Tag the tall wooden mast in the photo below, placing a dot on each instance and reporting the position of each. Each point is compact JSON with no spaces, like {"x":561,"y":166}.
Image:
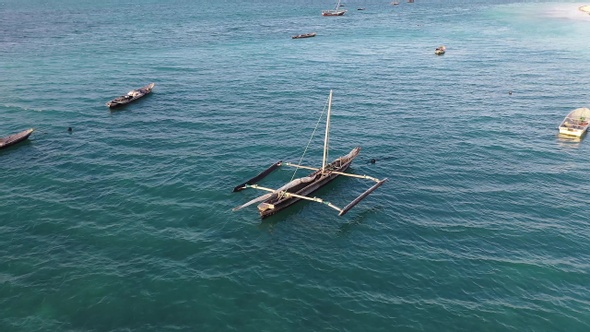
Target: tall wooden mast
{"x":327,"y":136}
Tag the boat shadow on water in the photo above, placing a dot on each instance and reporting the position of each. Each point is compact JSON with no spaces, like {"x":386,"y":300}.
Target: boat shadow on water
{"x":360,"y":219}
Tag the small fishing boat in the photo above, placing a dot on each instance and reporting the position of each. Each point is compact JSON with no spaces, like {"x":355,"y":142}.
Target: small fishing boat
{"x":304,"y":35}
{"x":440,"y":50}
{"x":334,"y":12}
{"x":15,"y":138}
{"x":300,"y":188}
{"x":575,"y":123}
{"x":131,"y":96}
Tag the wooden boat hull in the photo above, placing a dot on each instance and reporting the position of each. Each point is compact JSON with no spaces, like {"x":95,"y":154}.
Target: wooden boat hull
{"x":15,"y":138}
{"x":131,"y":96}
{"x":276,"y":204}
{"x":572,"y":132}
{"x":575,"y":123}
{"x":333,"y":12}
{"x":305,"y":35}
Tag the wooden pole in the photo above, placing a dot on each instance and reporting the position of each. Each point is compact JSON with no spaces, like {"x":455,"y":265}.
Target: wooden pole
{"x":360,"y":198}
{"x":326,"y":137}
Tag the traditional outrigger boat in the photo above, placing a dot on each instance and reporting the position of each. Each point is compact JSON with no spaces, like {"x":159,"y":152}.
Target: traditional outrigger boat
{"x":15,"y":138}
{"x":299,"y":189}
{"x":575,"y":123}
{"x":131,"y":96}
{"x":304,"y":35}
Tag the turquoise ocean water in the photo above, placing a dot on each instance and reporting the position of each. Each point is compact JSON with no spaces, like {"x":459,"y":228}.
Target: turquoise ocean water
{"x":125,"y":224}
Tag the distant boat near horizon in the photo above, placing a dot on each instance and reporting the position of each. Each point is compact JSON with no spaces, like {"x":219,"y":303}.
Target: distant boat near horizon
{"x":304,"y":35}
{"x":334,"y":12}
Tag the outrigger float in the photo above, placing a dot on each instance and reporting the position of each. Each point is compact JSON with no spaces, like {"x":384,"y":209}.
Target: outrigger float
{"x":300,"y":189}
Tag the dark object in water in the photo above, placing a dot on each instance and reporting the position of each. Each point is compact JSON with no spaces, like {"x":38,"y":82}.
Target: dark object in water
{"x":304,"y":35}
{"x":70,"y":129}
{"x":372,"y":161}
{"x":131,"y":96}
{"x":15,"y":138}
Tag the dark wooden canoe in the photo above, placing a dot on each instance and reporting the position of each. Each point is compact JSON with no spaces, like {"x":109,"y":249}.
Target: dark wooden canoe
{"x":305,"y":35}
{"x":130,"y":96}
{"x":15,"y":138}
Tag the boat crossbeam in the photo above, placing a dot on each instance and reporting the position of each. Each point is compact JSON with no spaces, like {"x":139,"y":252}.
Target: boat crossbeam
{"x":288,"y":194}
{"x":366,"y":177}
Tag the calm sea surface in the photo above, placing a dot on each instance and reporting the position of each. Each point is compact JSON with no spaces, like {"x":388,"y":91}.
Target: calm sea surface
{"x":125,"y":224}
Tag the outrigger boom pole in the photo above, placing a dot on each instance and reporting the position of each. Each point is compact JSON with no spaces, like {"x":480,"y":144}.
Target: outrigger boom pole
{"x":288,"y":194}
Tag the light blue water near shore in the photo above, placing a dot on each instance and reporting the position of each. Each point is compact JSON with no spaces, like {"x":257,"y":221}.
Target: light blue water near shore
{"x":126,"y":223}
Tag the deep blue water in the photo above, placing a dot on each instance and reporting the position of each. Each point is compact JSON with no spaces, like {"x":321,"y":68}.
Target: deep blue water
{"x":126,"y":224}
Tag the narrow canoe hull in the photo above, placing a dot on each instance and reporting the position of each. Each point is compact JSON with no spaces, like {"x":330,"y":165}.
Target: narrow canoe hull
{"x":305,"y":35}
{"x":131,"y":96}
{"x":276,"y":204}
{"x":15,"y":138}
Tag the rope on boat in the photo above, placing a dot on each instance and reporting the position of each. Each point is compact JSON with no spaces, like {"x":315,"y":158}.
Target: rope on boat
{"x":310,"y":139}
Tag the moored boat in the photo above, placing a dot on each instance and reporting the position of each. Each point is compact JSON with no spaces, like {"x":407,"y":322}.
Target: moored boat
{"x":440,"y":50}
{"x":130,"y":96}
{"x":15,"y":138}
{"x":299,"y":189}
{"x":304,"y":35}
{"x":334,"y":12}
{"x":575,"y":123}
